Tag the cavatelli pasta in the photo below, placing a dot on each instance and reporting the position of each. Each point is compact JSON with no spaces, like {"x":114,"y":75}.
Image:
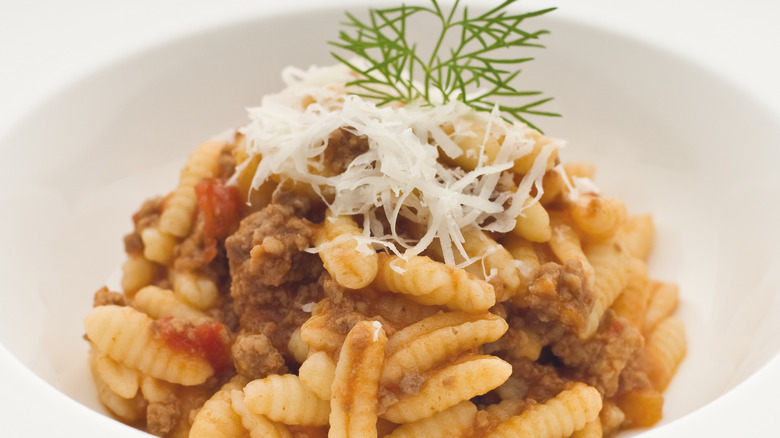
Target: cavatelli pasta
{"x":258,"y":425}
{"x":340,"y":253}
{"x":217,"y":418}
{"x":178,"y":210}
{"x":285,"y":399}
{"x":454,"y":422}
{"x":126,"y":335}
{"x":558,"y":417}
{"x":317,"y":373}
{"x":433,"y":283}
{"x":158,"y":303}
{"x":354,"y":403}
{"x":419,"y":347}
{"x":664,"y":351}
{"x":462,"y":380}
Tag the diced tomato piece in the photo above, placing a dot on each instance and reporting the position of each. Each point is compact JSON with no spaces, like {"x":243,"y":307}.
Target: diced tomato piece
{"x":208,"y":340}
{"x":222,"y":207}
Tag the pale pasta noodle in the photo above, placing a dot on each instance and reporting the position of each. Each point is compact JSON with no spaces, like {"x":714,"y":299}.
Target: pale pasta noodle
{"x":558,"y":417}
{"x":137,"y":272}
{"x":317,"y":373}
{"x":533,"y":224}
{"x":285,"y":399}
{"x":176,"y":218}
{"x":354,"y":403}
{"x":430,"y":282}
{"x":217,"y":418}
{"x":436,"y":338}
{"x":258,"y":425}
{"x":469,"y":377}
{"x":125,"y":334}
{"x":665,"y":350}
{"x":195,"y":289}
{"x":456,"y":421}
{"x":338,"y":248}
{"x":158,"y":303}
{"x":123,"y":381}
{"x":158,"y":245}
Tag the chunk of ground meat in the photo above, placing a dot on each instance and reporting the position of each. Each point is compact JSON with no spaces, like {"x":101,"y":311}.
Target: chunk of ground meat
{"x":268,"y":250}
{"x":537,"y":381}
{"x":255,"y":357}
{"x":146,"y":216}
{"x":600,"y":359}
{"x":105,"y":297}
{"x":343,"y":147}
{"x":272,"y":275}
{"x":559,"y":294}
{"x":162,"y":417}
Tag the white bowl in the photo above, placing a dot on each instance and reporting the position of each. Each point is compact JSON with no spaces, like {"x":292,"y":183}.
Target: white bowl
{"x":668,"y":137}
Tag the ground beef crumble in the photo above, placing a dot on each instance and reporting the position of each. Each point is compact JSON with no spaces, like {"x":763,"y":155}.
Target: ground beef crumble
{"x":273,"y":277}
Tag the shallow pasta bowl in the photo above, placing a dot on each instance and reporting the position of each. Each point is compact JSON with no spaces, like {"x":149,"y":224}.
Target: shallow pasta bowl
{"x":668,"y":137}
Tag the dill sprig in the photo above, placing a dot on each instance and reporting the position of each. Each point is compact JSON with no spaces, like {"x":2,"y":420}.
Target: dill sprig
{"x":470,"y":68}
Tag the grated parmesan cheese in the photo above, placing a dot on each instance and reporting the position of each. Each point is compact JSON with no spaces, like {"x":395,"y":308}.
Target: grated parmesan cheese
{"x":401,"y":175}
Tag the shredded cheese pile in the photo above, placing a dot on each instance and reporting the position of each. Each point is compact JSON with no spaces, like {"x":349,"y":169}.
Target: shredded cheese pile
{"x":400,"y":176}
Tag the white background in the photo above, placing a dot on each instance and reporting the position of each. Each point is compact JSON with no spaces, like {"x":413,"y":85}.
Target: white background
{"x":45,"y":45}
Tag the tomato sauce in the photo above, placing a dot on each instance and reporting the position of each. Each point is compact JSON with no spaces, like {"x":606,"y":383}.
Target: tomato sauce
{"x":208,"y":340}
{"x":222,"y":209}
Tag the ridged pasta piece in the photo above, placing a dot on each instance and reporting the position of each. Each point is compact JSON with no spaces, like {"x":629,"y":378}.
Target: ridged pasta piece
{"x":158,"y":303}
{"x":566,"y":245}
{"x":297,"y":348}
{"x":496,"y":259}
{"x":156,"y":390}
{"x":179,"y":208}
{"x":474,"y":141}
{"x":217,"y":419}
{"x":285,"y":399}
{"x":125,"y":334}
{"x":631,"y":304}
{"x":338,"y":248}
{"x":533,"y":223}
{"x":317,"y":332}
{"x":258,"y":425}
{"x":454,"y":422}
{"x":464,"y":379}
{"x":665,"y":349}
{"x":194,"y":288}
{"x":525,"y":259}
{"x":353,"y":404}
{"x":317,"y":373}
{"x":130,"y":410}
{"x":664,"y":299}
{"x":590,"y":430}
{"x":598,"y":216}
{"x":611,"y":418}
{"x":158,"y":245}
{"x":120,"y":379}
{"x":433,"y":283}
{"x":638,"y":233}
{"x":421,"y":346}
{"x":611,"y":264}
{"x":554,"y":184}
{"x":523,"y":165}
{"x":641,"y":407}
{"x":137,"y":272}
{"x":506,"y":409}
{"x":557,"y":417}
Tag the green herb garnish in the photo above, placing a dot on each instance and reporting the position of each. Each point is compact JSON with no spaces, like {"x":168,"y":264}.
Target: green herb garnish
{"x":465,"y":57}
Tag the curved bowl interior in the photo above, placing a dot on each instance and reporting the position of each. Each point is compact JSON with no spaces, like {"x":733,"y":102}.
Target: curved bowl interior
{"x":667,"y":137}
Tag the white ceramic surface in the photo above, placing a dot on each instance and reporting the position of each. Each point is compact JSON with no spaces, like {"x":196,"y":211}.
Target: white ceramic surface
{"x":669,"y":136}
